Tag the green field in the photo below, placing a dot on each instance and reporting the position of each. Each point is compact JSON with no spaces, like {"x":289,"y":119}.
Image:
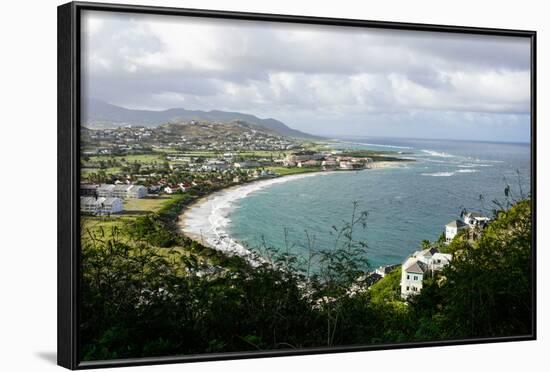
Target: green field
{"x":86,"y":171}
{"x":283,"y":171}
{"x":103,"y":225}
{"x":148,"y":204}
{"x":142,"y":158}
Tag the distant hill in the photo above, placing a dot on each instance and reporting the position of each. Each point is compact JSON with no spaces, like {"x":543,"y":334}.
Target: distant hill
{"x":98,"y":114}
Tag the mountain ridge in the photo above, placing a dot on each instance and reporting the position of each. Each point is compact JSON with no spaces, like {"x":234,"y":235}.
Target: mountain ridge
{"x":97,"y":114}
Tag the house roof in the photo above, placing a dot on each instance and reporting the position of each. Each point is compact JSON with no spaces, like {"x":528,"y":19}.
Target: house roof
{"x":108,"y":201}
{"x":445,"y":256}
{"x":122,"y":187}
{"x":417,"y":267}
{"x":473,"y":214}
{"x":106,"y":186}
{"x":87,"y":200}
{"x":429,"y":252}
{"x":372,"y":278}
{"x":456,"y":223}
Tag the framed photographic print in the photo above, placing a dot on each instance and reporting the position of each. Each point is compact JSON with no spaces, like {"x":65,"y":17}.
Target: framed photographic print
{"x":237,"y":185}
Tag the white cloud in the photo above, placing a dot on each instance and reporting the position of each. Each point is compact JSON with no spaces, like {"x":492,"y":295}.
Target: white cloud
{"x":303,"y":70}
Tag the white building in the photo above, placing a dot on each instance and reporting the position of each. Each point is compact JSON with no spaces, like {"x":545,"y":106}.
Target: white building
{"x":121,"y":191}
{"x":246,"y":164}
{"x":412,"y":276}
{"x":105,"y":190}
{"x":439,"y":261}
{"x":418,"y":266}
{"x":452,"y":229}
{"x":101,"y":205}
{"x":216,"y":165}
{"x":346,"y":165}
{"x":136,"y":192}
{"x":329,"y":164}
{"x":475,"y":219}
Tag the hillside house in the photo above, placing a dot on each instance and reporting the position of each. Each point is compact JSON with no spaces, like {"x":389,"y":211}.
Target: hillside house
{"x":412,"y":276}
{"x":475,"y":219}
{"x":418,"y":267}
{"x":452,"y":229}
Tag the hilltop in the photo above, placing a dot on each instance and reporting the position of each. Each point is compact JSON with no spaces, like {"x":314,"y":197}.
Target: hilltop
{"x":97,"y":114}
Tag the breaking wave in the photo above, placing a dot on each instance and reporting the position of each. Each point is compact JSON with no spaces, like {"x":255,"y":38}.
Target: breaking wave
{"x":438,"y":154}
{"x":439,"y":174}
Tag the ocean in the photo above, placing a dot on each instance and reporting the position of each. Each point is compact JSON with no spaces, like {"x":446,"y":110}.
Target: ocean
{"x":405,"y":204}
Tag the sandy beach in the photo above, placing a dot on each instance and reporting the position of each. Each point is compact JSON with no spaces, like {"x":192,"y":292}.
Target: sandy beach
{"x":206,"y":220}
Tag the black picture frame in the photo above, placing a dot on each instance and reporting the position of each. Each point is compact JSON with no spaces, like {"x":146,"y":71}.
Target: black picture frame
{"x":68,"y":252}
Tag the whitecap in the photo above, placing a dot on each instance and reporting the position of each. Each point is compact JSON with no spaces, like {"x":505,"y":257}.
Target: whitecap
{"x":438,"y":154}
{"x":474,"y":165}
{"x":388,"y":146}
{"x":467,"y":171}
{"x":439,"y":174}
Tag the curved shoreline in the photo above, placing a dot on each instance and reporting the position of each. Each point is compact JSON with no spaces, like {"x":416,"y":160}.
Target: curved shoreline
{"x":206,"y":220}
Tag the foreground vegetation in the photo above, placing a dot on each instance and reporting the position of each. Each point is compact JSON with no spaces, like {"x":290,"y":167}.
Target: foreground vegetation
{"x":148,"y":291}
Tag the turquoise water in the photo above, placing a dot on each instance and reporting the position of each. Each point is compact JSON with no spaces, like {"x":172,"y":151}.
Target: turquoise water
{"x":406,"y":205}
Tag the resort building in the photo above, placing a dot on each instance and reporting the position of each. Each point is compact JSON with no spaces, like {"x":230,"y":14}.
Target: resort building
{"x":88,"y":190}
{"x":105,"y":190}
{"x":101,"y":205}
{"x":418,"y":267}
{"x":329,"y":164}
{"x":121,"y":191}
{"x":452,"y":229}
{"x":216,"y":165}
{"x":246,"y":164}
{"x":136,"y":192}
{"x":308,"y":163}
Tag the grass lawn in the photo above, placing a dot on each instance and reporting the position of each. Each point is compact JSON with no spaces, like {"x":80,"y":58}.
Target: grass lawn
{"x":143,"y":158}
{"x":283,"y":171}
{"x":151,"y":203}
{"x":85,"y":171}
{"x":102,"y":226}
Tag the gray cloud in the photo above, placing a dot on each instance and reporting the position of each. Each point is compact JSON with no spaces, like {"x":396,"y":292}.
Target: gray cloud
{"x":304,"y":73}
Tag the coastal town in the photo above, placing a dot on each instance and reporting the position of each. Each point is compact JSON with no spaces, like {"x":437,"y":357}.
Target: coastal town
{"x":135,"y":162}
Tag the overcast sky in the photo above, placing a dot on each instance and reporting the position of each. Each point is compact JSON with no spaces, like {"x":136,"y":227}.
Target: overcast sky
{"x":319,"y":79}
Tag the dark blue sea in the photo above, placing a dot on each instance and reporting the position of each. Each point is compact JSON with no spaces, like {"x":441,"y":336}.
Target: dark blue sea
{"x":405,"y":205}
